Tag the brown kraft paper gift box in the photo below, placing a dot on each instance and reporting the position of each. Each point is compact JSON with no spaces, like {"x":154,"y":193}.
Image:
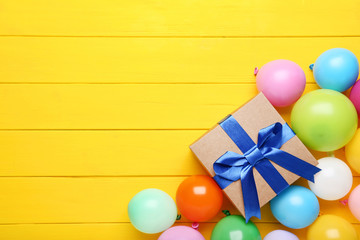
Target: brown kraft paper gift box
{"x":256,"y":114}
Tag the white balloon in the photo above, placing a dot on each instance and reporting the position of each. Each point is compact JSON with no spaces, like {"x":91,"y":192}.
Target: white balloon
{"x":334,"y":180}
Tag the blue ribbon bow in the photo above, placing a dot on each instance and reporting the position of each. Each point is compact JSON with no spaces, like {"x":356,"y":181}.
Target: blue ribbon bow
{"x":232,"y":166}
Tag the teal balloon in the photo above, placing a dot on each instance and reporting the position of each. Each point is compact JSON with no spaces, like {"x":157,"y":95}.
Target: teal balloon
{"x":152,"y":211}
{"x":336,"y":69}
{"x":324,"y":120}
{"x":234,"y":227}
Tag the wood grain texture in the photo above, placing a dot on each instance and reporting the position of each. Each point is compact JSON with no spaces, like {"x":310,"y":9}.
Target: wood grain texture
{"x":103,"y":153}
{"x":126,"y":106}
{"x":101,"y":99}
{"x":105,"y":199}
{"x":184,"y":18}
{"x":154,"y":60}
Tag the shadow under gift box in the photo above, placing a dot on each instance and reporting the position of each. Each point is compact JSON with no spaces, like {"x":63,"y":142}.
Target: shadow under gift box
{"x":253,"y":116}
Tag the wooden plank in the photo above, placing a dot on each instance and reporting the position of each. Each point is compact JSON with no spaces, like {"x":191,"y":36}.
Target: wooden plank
{"x":125,"y":106}
{"x":184,"y":18}
{"x":111,"y":231}
{"x":102,"y":153}
{"x":154,"y":60}
{"x":98,"y":153}
{"x":88,"y":199}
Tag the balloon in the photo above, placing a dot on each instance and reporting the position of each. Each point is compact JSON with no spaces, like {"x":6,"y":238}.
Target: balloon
{"x":234,"y":227}
{"x":355,"y":96}
{"x":354,"y":202}
{"x":334,"y":180}
{"x":280,"y":235}
{"x":152,"y":211}
{"x":331,"y":227}
{"x":281,"y":81}
{"x":181,"y":233}
{"x":352,"y":152}
{"x":295,"y":207}
{"x":324,"y":120}
{"x":336,"y":69}
{"x":199,"y":198}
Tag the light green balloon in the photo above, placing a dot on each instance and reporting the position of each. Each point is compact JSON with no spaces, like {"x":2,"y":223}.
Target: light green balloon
{"x":152,"y":211}
{"x":324,"y":120}
{"x":234,"y":227}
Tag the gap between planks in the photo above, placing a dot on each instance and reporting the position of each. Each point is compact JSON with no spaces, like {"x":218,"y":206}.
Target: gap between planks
{"x":134,"y":83}
{"x":190,"y":36}
{"x":79,"y":223}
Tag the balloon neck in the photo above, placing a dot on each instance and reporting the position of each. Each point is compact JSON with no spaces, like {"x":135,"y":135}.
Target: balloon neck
{"x":311,"y":67}
{"x":256,"y":70}
{"x":344,"y":202}
{"x":226,"y":212}
{"x":195,"y":225}
{"x":178,"y":217}
{"x":331,"y":154}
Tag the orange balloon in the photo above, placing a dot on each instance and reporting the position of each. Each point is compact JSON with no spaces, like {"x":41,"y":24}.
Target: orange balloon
{"x":199,"y":198}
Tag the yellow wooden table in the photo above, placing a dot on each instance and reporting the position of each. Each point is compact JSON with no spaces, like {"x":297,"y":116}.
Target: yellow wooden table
{"x":100,"y":99}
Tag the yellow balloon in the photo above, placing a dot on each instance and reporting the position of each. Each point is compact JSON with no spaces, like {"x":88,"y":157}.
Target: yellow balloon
{"x":331,"y":227}
{"x":352,"y":152}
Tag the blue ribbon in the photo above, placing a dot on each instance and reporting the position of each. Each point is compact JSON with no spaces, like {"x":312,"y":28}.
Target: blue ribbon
{"x":232,"y":166}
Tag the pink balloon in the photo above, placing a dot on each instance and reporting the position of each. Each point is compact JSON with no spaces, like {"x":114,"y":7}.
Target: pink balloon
{"x":281,"y":235}
{"x":354,"y":202}
{"x":281,"y":81}
{"x":355,"y":96}
{"x":181,"y":233}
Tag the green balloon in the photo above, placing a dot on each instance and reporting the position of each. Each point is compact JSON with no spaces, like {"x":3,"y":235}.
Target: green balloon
{"x":152,"y":211}
{"x":234,"y":227}
{"x":324,"y":120}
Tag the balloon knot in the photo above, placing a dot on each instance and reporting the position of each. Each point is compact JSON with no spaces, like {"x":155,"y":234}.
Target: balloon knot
{"x":226,"y":212}
{"x":331,"y":154}
{"x":256,"y":70}
{"x":311,"y":67}
{"x":178,"y":217}
{"x":195,"y":225}
{"x":344,"y":202}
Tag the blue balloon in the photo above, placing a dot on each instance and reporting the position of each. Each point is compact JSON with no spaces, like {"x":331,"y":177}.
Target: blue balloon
{"x":336,"y":69}
{"x":295,"y":207}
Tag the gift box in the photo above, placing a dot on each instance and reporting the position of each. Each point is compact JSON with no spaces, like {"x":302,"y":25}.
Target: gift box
{"x":253,"y":155}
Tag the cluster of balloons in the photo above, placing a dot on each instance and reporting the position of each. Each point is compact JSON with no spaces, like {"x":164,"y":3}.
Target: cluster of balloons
{"x":198,"y":198}
{"x":325,"y":120}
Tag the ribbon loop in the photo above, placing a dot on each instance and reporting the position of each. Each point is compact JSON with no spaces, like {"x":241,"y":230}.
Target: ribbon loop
{"x":232,"y":166}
